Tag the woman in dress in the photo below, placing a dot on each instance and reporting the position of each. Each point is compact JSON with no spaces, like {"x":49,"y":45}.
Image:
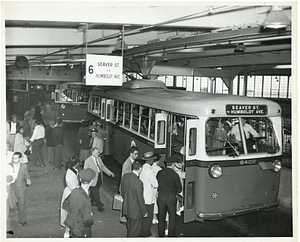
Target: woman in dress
{"x":21,"y":144}
{"x":71,"y":182}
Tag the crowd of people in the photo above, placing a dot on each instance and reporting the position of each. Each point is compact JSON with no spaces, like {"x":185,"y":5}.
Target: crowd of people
{"x":151,"y":194}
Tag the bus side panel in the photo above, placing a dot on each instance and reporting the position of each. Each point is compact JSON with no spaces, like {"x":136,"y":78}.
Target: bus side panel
{"x":73,"y":113}
{"x":239,"y":188}
{"x":121,"y":140}
{"x":190,"y":198}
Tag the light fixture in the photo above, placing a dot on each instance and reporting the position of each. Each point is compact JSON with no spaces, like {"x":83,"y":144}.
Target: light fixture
{"x":69,"y":56}
{"x":240,"y":48}
{"x":164,"y":56}
{"x":276,"y":19}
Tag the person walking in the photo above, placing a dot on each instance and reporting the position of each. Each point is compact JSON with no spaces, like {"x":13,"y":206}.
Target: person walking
{"x":71,"y":182}
{"x":49,"y":142}
{"x":133,"y":208}
{"x":149,"y":180}
{"x":27,"y":126}
{"x":38,"y":112}
{"x":133,"y":154}
{"x":169,"y":185}
{"x":19,"y":186}
{"x":84,"y":138}
{"x":94,"y":162}
{"x":58,"y":142}
{"x":77,"y":204}
{"x":12,"y":126}
{"x":127,"y":168}
{"x":38,"y":142}
{"x":156,"y":168}
{"x":97,"y":142}
{"x":102,"y":134}
{"x":21,"y":144}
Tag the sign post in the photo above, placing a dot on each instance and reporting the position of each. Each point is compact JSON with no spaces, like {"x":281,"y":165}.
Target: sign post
{"x":104,"y":70}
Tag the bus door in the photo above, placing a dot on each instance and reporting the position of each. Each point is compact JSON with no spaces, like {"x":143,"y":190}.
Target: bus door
{"x":192,"y":133}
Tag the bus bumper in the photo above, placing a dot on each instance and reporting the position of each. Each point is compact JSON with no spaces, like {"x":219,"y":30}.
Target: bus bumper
{"x":216,"y":216}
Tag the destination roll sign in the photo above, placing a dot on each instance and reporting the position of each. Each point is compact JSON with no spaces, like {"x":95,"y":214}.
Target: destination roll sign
{"x":238,"y":109}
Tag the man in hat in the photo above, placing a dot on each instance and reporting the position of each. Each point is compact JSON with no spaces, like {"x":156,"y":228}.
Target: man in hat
{"x":94,"y":162}
{"x":78,"y":202}
{"x":133,"y":201}
{"x":149,"y":180}
{"x":97,"y":142}
{"x":168,"y":186}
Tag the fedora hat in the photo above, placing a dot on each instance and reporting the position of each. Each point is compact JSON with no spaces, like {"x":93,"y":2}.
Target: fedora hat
{"x":149,"y":156}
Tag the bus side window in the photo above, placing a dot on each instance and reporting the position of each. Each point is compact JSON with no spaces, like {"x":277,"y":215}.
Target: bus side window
{"x":193,"y":141}
{"x":120,"y":112}
{"x":114,"y":111}
{"x":161,"y":126}
{"x":102,"y":108}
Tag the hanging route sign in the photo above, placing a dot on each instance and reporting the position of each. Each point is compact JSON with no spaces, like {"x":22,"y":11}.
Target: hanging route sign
{"x":104,"y":70}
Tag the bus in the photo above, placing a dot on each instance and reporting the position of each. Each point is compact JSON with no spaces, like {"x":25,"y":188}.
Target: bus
{"x":227,"y":173}
{"x":71,"y":101}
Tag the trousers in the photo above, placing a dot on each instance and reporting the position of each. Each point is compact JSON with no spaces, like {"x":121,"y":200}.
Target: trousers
{"x":95,"y":195}
{"x":37,"y":151}
{"x":166,"y":204}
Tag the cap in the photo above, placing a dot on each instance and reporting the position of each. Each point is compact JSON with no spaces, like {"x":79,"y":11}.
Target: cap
{"x":95,"y":130}
{"x":149,"y":156}
{"x":51,"y":122}
{"x":170,"y":160}
{"x":87,"y":174}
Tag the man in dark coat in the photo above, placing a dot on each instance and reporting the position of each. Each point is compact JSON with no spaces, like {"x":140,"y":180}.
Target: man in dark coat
{"x":169,"y":185}
{"x":80,"y":217}
{"x":134,"y":208}
{"x":19,"y":186}
{"x":58,"y":142}
{"x":38,"y":111}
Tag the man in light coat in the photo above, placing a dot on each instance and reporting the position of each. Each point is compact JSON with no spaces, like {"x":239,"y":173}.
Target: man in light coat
{"x":94,"y":162}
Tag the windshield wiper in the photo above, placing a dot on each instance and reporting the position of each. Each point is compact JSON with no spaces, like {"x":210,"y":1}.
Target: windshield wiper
{"x":237,"y":153}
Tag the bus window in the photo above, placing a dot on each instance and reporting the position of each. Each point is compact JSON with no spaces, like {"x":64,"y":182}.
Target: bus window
{"x":102,"y":108}
{"x":120,"y":112}
{"x":114,"y":111}
{"x":192,"y":141}
{"x":161,"y":126}
{"x":144,"y":127}
{"x":224,"y":136}
{"x":127,"y":115}
{"x":135,"y":117}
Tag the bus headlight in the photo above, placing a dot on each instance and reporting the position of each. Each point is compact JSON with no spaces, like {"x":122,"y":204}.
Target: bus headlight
{"x":215,"y":171}
{"x":62,"y":106}
{"x":277,"y":165}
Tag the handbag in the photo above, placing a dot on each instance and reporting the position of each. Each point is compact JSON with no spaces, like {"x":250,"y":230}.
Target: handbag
{"x":117,"y":202}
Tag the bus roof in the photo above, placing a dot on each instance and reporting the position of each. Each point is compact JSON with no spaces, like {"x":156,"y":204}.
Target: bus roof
{"x":186,"y":102}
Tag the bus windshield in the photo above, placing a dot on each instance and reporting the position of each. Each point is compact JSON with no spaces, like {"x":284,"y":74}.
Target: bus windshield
{"x":74,"y":95}
{"x":234,"y":136}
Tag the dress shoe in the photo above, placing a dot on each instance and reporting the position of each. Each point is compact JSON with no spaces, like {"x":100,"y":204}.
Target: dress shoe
{"x":101,"y":209}
{"x":10,"y":232}
{"x":24,"y":224}
{"x":42,"y":165}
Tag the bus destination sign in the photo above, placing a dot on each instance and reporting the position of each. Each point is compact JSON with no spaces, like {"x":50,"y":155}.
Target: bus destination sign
{"x":238,"y":109}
